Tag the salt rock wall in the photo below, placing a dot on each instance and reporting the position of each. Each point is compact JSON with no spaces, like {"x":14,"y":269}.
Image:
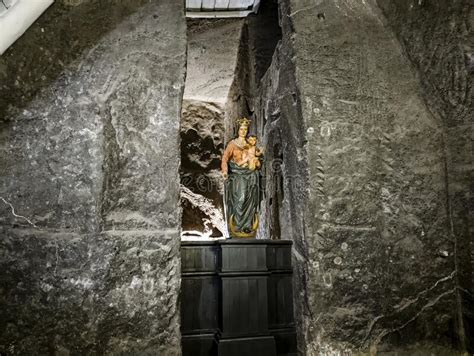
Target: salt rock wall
{"x":260,"y":35}
{"x":439,"y":40}
{"x":90,"y":102}
{"x":202,"y":145}
{"x":212,"y":57}
{"x":363,"y":185}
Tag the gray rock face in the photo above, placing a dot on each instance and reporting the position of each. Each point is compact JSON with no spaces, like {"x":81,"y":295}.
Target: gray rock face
{"x":72,"y":294}
{"x":202,"y":144}
{"x":439,"y":39}
{"x":212,"y":57}
{"x":260,"y":35}
{"x":355,"y":166}
{"x":90,"y":104}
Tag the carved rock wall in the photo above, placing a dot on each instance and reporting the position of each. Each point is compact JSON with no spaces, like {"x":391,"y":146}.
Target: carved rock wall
{"x":202,"y":145}
{"x":260,"y":35}
{"x":439,"y":39}
{"x":355,"y":161}
{"x":90,"y":101}
{"x":212,"y":57}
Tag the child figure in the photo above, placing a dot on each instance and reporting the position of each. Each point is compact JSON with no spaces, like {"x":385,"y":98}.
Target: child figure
{"x":251,"y":154}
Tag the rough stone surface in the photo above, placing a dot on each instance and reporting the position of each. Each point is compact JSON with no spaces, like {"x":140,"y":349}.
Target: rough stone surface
{"x":439,"y":39}
{"x":260,"y":35}
{"x":202,"y":144}
{"x":69,"y":294}
{"x":355,"y":161}
{"x":212,"y":57}
{"x":90,"y":101}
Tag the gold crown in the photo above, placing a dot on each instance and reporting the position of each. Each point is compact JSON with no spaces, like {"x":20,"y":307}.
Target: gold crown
{"x":243,"y":122}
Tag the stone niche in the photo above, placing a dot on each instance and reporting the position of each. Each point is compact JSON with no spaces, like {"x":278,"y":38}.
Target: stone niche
{"x":261,"y":34}
{"x":90,"y":103}
{"x":202,"y":143}
{"x":211,"y":62}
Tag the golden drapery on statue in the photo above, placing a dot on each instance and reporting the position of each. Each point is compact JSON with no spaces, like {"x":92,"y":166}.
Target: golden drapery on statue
{"x":240,"y":167}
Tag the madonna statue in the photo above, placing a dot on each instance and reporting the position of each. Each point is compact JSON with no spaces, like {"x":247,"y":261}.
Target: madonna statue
{"x":240,"y":165}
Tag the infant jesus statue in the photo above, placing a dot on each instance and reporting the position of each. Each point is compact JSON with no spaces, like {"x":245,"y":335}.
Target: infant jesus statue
{"x":251,"y":153}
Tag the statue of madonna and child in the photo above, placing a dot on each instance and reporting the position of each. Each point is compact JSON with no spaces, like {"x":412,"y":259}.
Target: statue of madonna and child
{"x":240,"y":167}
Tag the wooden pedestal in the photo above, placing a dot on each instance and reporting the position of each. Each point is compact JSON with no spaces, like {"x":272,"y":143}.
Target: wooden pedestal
{"x":199,"y":297}
{"x":244,"y":319}
{"x":236,"y":298}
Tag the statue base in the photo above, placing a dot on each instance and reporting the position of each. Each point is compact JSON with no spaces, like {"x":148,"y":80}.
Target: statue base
{"x":242,"y":290}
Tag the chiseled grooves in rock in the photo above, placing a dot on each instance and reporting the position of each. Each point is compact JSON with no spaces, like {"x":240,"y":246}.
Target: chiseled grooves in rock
{"x":90,"y":103}
{"x":438,"y":37}
{"x":363,"y":193}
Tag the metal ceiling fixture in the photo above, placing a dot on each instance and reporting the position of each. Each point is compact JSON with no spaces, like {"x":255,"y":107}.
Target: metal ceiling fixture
{"x":15,"y":18}
{"x":221,"y":8}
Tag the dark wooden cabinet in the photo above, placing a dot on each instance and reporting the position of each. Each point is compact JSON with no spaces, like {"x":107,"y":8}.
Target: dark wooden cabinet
{"x":237,"y":298}
{"x":280,"y":297}
{"x":200,"y":286}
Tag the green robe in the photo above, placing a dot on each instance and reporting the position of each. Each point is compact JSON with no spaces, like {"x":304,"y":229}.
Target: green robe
{"x":242,"y":197}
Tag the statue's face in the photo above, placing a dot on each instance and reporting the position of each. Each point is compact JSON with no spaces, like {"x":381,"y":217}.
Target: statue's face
{"x":252,"y":141}
{"x":243,"y":130}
